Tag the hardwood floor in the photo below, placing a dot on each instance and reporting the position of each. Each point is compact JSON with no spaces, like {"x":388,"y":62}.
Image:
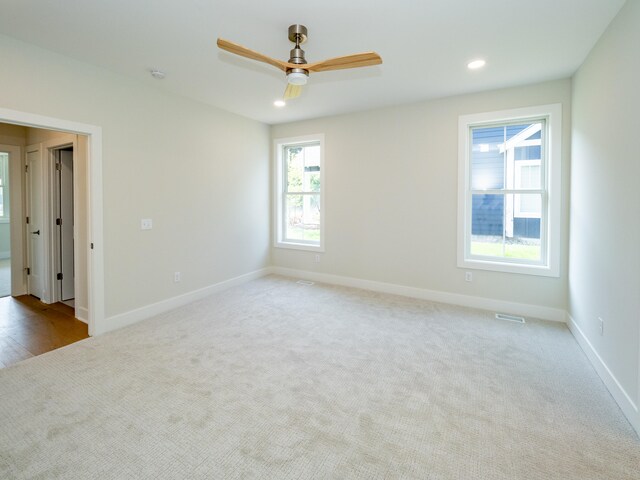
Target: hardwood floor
{"x":29,"y":327}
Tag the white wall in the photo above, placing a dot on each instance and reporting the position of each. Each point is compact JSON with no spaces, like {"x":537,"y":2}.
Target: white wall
{"x":200,"y":173}
{"x":391,"y":197}
{"x":604,"y":275}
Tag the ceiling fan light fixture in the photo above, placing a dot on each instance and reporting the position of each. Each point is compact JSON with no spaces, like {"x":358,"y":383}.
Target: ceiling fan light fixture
{"x":279,"y":103}
{"x":297,"y":78}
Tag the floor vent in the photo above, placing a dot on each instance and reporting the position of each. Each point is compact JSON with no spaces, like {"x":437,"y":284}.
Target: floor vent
{"x":509,"y":318}
{"x":304,"y":282}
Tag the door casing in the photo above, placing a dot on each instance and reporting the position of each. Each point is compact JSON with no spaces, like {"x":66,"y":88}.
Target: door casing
{"x":94,"y":204}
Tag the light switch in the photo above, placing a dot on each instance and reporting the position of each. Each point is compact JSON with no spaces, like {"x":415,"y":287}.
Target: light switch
{"x":146,"y":224}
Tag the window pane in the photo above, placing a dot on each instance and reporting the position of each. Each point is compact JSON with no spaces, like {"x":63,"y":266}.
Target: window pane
{"x":302,"y":218}
{"x":311,"y":181}
{"x":487,"y":215}
{"x":487,"y":161}
{"x":303,"y":168}
{"x":527,"y":206}
{"x":499,"y":228}
{"x":499,"y":153}
{"x":294,"y":161}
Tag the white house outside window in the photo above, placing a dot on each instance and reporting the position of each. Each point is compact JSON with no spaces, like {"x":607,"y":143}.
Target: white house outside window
{"x":509,"y":190}
{"x":299,"y":203}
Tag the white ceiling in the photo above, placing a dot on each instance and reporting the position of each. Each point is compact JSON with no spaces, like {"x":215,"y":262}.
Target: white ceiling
{"x":425,"y":46}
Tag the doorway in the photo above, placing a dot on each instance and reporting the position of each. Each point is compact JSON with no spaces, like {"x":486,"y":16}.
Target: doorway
{"x":64,"y":232}
{"x":91,"y":204}
{"x":56,"y":222}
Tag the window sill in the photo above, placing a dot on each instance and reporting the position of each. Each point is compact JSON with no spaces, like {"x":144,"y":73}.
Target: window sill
{"x":5,"y":220}
{"x":506,"y":267}
{"x":300,"y":246}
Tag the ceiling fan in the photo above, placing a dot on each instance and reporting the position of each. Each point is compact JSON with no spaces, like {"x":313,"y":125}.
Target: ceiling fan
{"x":297,"y":69}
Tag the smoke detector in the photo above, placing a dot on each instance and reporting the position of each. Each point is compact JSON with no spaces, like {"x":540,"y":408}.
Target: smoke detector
{"x":158,"y":74}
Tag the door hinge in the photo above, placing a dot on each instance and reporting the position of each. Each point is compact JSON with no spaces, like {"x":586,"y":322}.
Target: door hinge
{"x":91,"y":245}
{"x":58,"y":166}
{"x":58,"y":221}
{"x":27,"y":220}
{"x":26,"y":168}
{"x":59,"y":276}
{"x":28,"y":271}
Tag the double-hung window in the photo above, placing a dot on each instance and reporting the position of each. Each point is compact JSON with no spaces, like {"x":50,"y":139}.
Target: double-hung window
{"x":509,"y":190}
{"x":299,"y":193}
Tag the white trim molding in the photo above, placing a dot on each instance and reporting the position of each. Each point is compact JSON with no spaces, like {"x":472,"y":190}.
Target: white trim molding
{"x":502,"y":306}
{"x":137,"y":315}
{"x":622,"y":398}
{"x":549,"y":264}
{"x":82,"y":314}
{"x":279,"y":186}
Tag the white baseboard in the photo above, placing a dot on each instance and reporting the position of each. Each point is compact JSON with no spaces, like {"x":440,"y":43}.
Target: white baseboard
{"x":82,"y":314}
{"x":142,"y":313}
{"x":503,"y":306}
{"x":627,"y":405}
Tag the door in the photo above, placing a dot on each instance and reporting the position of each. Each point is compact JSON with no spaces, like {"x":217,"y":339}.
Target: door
{"x":66,"y":224}
{"x":35,"y":215}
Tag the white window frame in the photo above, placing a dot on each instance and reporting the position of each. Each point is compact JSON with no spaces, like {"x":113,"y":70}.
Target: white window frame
{"x":279,"y":201}
{"x":551,"y":182}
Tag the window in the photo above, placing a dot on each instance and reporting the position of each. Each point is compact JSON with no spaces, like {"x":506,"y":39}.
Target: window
{"x":299,"y":186}
{"x":4,"y":187}
{"x":509,"y":190}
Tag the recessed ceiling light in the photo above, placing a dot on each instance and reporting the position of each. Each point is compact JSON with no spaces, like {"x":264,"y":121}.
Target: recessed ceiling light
{"x":157,"y":74}
{"x":476,"y":64}
{"x":279,"y":103}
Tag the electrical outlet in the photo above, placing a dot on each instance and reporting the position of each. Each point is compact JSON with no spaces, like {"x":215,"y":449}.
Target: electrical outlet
{"x":468,"y":276}
{"x":317,"y":258}
{"x":601,"y":325}
{"x":146,"y":224}
{"x":177,"y":277}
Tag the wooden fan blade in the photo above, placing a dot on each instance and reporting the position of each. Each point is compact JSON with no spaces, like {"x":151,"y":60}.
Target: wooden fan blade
{"x":248,"y":53}
{"x":356,"y":60}
{"x":292,"y":91}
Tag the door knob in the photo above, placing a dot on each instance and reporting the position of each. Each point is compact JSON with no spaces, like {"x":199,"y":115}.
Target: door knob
{"x":37,"y":232}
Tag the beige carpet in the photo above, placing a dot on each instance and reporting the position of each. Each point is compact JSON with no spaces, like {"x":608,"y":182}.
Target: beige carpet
{"x":275,"y":380}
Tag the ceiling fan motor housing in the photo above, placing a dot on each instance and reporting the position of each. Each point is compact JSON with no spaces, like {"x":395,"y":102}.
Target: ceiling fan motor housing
{"x":297,"y":35}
